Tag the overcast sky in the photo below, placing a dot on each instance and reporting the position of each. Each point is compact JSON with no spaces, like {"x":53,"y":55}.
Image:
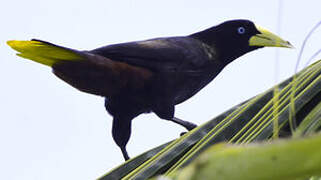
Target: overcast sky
{"x":49,"y":130}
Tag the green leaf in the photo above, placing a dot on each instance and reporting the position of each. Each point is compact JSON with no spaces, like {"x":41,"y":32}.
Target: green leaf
{"x":132,"y":164}
{"x":311,"y":123}
{"x":280,"y":160}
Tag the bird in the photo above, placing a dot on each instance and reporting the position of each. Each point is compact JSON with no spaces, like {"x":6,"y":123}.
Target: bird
{"x":150,"y":75}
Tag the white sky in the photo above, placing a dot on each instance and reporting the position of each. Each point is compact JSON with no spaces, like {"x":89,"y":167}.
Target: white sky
{"x":49,"y":130}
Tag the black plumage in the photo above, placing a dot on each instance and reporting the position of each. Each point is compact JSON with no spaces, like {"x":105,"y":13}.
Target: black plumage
{"x":155,"y":75}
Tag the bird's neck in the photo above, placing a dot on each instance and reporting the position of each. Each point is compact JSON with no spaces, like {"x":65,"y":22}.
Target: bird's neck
{"x":224,"y":50}
{"x":207,"y":36}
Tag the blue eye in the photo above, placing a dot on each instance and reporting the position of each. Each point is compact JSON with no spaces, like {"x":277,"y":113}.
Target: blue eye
{"x":241,"y":30}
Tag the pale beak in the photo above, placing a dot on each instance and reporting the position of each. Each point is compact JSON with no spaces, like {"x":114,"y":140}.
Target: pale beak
{"x":266,"y":38}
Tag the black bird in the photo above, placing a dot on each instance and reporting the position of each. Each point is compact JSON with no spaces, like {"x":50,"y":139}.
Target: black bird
{"x":152,"y":75}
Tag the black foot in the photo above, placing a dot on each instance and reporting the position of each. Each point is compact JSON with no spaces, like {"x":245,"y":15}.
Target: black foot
{"x":125,"y":154}
{"x":188,"y":125}
{"x":182,"y":133}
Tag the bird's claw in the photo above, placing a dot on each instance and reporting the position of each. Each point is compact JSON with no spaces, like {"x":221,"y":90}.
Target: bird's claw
{"x":182,"y":133}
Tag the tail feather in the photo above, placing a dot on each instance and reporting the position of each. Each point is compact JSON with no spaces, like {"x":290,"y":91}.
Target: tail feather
{"x":44,"y":52}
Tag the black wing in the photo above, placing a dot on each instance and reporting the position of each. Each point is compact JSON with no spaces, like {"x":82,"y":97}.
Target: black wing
{"x":161,"y":54}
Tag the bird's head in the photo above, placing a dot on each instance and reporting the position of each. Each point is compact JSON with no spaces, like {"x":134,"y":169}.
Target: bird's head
{"x":232,"y":39}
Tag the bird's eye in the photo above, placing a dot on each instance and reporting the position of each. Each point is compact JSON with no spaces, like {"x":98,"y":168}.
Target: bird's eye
{"x":241,"y":30}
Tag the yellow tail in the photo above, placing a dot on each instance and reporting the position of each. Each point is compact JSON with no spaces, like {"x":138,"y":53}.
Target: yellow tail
{"x":44,"y":52}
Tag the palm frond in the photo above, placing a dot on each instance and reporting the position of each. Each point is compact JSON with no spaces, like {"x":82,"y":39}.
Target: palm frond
{"x":252,"y":120}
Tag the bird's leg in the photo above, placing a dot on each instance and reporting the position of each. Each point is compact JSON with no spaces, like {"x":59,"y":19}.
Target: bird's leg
{"x":121,"y":133}
{"x":188,"y":125}
{"x":124,"y":152}
{"x":167,"y":112}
